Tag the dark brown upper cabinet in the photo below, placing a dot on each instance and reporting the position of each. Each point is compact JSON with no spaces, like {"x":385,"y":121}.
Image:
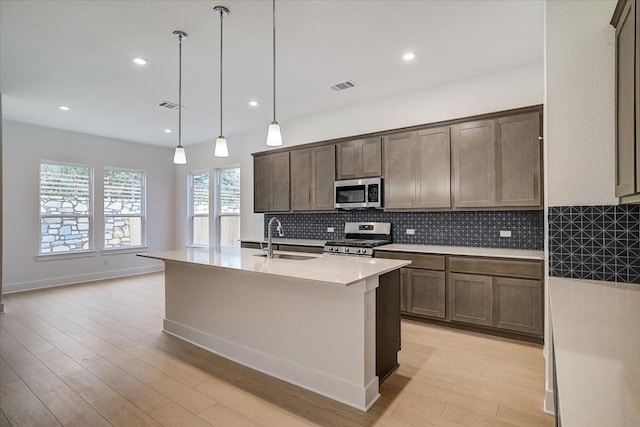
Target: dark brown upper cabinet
{"x":360,"y":158}
{"x":492,"y":161}
{"x":497,"y":163}
{"x":625,"y":20}
{"x":473,"y":164}
{"x":417,"y":170}
{"x":519,"y":161}
{"x":399,"y":171}
{"x":271,"y":183}
{"x":312,"y":177}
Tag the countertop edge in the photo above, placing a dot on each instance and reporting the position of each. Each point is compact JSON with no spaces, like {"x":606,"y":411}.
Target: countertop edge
{"x":397,"y":265}
{"x":464,"y":251}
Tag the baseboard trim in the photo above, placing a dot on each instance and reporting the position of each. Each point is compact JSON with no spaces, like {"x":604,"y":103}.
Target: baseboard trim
{"x":549,"y":407}
{"x":81,"y":278}
{"x":354,"y":395}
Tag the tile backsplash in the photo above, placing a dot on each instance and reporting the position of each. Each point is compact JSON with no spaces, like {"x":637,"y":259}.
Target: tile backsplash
{"x":595,"y":242}
{"x":468,"y":228}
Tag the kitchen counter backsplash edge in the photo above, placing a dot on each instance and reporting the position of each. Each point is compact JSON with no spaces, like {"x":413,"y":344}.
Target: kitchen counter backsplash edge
{"x":456,"y":228}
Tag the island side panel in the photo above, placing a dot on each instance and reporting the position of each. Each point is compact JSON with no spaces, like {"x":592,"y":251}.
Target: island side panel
{"x":312,"y":334}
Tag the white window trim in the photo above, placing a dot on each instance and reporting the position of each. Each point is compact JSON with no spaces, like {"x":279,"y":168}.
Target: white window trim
{"x":125,"y":250}
{"x":190,"y":214}
{"x":48,"y":256}
{"x":65,"y":255}
{"x":142,"y":216}
{"x":218,"y":215}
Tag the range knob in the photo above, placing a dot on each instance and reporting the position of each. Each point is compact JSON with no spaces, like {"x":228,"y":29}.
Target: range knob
{"x":358,"y":250}
{"x":346,"y":249}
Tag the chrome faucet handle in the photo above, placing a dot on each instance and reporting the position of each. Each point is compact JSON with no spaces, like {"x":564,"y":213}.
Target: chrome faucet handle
{"x":262,"y":248}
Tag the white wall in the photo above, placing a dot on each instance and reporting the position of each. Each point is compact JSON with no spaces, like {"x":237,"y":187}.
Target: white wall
{"x":516,"y":88}
{"x":24,"y":146}
{"x":580,"y":105}
{"x":579,"y":125}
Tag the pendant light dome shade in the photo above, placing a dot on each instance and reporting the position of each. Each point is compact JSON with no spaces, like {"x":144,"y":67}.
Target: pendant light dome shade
{"x":221,"y":149}
{"x":274,"y":136}
{"x":179,"y":155}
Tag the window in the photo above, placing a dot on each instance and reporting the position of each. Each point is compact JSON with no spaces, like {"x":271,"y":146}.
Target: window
{"x":199,"y":208}
{"x":229,"y":207}
{"x":65,"y":208}
{"x":123,"y":208}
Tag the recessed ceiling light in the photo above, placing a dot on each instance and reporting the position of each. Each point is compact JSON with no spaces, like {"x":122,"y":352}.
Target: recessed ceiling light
{"x":409,"y":56}
{"x":64,"y":108}
{"x":140,"y":61}
{"x":168,"y":131}
{"x":253,"y":103}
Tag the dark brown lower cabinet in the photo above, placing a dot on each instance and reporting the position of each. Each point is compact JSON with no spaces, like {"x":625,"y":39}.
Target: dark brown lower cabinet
{"x":497,"y":296}
{"x":502,"y":302}
{"x":518,"y":305}
{"x":423,"y":292}
{"x":471,"y":298}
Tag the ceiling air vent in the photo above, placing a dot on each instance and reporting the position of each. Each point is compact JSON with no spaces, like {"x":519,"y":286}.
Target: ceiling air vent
{"x":343,"y":85}
{"x":168,"y":105}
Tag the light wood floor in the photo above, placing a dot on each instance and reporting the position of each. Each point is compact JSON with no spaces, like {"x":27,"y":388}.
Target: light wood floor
{"x":94,"y":355}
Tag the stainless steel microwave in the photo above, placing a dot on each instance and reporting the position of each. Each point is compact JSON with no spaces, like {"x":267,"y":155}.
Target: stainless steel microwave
{"x":358,"y":193}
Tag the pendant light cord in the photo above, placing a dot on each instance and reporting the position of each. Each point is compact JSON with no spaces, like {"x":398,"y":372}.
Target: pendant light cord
{"x":180,"y":91}
{"x":274,"y":60}
{"x":221,"y":23}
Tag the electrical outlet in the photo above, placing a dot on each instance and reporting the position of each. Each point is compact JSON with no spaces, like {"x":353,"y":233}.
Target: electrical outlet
{"x":330,"y":229}
{"x":505,"y":233}
{"x":411,"y":231}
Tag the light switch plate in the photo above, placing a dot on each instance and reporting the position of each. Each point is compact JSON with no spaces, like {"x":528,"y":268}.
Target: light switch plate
{"x":505,"y":233}
{"x":411,"y":231}
{"x":330,"y":229}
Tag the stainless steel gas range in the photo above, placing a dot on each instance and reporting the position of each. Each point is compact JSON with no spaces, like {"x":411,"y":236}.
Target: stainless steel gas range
{"x":361,"y":238}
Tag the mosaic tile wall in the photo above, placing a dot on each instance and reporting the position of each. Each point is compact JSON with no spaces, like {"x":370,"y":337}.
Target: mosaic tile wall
{"x":595,"y":242}
{"x":477,"y":228}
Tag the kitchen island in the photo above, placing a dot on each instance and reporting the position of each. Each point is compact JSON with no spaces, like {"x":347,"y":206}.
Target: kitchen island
{"x":310,"y":321}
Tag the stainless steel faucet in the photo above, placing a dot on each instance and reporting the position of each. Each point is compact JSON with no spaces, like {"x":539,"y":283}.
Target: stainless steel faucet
{"x":280,"y":233}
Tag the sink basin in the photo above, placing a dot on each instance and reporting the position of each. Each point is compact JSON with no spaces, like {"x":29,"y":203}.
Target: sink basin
{"x":289,"y":256}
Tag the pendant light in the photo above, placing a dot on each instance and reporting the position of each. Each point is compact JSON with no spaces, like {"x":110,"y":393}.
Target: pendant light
{"x":274,"y":137}
{"x":179,"y":156}
{"x":221,"y":149}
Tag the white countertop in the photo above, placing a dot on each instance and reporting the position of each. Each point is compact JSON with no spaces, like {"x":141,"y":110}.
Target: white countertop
{"x":334,"y":269}
{"x":467,"y":251}
{"x":597,"y":345}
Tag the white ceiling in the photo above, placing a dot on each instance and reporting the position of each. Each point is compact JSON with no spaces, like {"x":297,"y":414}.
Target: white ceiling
{"x":79,"y":54}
